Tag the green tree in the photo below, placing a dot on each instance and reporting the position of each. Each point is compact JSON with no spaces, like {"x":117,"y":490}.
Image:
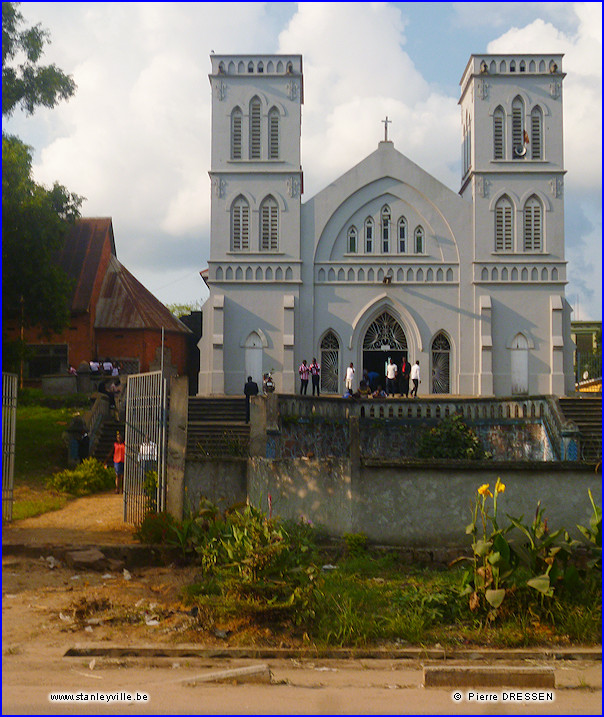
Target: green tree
{"x":24,"y":81}
{"x":35,"y":220}
{"x":180,"y":310}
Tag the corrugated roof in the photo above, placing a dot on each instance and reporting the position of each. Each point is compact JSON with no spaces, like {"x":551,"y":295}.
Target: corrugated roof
{"x":124,"y":303}
{"x":81,"y":256}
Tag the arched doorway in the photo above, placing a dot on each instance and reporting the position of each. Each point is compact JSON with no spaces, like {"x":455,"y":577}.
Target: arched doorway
{"x":519,"y":364}
{"x":253,"y":357}
{"x":441,"y":364}
{"x":330,"y":363}
{"x":384,"y":339}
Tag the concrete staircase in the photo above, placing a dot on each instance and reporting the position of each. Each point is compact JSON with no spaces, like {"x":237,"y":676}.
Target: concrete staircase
{"x":586,"y":413}
{"x":106,"y":439}
{"x":217,"y":427}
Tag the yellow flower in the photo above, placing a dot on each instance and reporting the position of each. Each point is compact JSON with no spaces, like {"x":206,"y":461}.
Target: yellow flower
{"x":499,"y":486}
{"x":484,"y":490}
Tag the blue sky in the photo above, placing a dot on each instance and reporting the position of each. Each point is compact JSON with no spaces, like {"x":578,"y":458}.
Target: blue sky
{"x":135,"y":139}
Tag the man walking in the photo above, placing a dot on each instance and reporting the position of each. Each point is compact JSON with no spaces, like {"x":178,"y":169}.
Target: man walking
{"x":415,"y":379}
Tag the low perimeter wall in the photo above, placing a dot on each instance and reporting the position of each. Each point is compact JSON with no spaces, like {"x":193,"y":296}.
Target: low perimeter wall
{"x":416,"y":506}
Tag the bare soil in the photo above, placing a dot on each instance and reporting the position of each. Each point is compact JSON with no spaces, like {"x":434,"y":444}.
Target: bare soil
{"x":49,"y":608}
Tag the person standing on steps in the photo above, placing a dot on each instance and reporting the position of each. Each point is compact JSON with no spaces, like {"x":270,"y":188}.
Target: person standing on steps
{"x":391,"y":372}
{"x":405,"y":371}
{"x":415,"y":380}
{"x":250,"y":389}
{"x":350,"y":376}
{"x":304,"y":372}
{"x":315,"y":373}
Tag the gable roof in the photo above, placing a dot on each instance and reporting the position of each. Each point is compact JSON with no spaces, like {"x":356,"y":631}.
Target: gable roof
{"x":124,"y":303}
{"x":81,"y":257}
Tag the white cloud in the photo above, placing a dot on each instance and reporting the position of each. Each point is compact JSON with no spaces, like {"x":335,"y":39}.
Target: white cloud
{"x":582,"y":86}
{"x":135,"y":139}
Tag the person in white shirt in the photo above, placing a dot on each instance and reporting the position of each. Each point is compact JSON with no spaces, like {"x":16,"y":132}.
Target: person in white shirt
{"x":391,"y":372}
{"x":147,"y":455}
{"x":349,"y":376}
{"x":415,"y":378}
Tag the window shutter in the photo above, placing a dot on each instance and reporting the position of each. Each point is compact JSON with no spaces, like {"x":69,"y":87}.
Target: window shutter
{"x":273,"y":134}
{"x":236,"y":135}
{"x":498,"y":134}
{"x":255,"y":129}
{"x":536,"y":134}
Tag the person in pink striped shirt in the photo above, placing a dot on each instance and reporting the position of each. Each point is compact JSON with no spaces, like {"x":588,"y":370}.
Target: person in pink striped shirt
{"x":304,"y":372}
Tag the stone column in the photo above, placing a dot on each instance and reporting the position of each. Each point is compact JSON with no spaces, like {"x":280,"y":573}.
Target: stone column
{"x":177,"y":446}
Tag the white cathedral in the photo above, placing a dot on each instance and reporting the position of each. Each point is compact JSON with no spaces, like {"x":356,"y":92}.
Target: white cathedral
{"x":387,"y":261}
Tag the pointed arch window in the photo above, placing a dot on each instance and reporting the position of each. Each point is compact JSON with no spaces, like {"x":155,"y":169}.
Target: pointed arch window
{"x":385,"y":216}
{"x":499,"y":134}
{"x":255,"y":141}
{"x":441,"y":374}
{"x":330,"y":363}
{"x":518,"y":130}
{"x":402,"y":235}
{"x":236,"y":123}
{"x":536,"y":133}
{"x":504,"y":224}
{"x":269,"y":225}
{"x":419,"y":240}
{"x":533,"y":225}
{"x":369,"y":235}
{"x":273,"y":133}
{"x":240,"y":225}
{"x":352,"y":240}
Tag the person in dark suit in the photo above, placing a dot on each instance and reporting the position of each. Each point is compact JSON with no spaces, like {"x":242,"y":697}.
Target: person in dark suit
{"x":250,"y":389}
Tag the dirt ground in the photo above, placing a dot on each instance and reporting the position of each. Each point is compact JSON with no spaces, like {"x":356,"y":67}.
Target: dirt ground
{"x":48,"y":608}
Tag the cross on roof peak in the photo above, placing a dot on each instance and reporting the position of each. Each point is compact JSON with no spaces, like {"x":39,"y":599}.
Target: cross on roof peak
{"x":386,"y":122}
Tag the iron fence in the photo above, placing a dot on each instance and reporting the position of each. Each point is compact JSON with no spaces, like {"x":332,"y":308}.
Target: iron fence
{"x":145,"y":438}
{"x":9,"y":421}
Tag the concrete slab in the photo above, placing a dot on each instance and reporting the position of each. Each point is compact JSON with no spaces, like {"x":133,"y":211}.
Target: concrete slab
{"x":488,"y":676}
{"x":252,"y":673}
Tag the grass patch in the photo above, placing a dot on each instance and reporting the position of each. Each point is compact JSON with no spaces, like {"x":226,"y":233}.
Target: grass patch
{"x":40,"y":450}
{"x":29,"y":502}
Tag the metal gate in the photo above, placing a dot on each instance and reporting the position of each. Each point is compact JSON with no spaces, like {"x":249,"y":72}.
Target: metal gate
{"x":9,"y":421}
{"x":145,"y":438}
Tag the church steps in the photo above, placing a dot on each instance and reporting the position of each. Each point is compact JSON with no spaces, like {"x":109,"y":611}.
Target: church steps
{"x":216,"y":426}
{"x":586,"y":413}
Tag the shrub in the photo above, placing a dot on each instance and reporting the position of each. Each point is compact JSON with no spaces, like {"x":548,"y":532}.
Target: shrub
{"x":356,"y":543}
{"x":451,"y":438}
{"x":89,"y":477}
{"x":156,"y":528}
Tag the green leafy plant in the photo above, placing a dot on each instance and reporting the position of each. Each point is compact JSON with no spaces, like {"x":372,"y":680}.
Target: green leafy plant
{"x":356,"y":543}
{"x":452,"y":439}
{"x":593,"y":534}
{"x":88,"y":477}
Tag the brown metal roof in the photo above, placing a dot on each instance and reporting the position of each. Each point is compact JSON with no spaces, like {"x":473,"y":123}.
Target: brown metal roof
{"x":124,"y":303}
{"x":81,"y":255}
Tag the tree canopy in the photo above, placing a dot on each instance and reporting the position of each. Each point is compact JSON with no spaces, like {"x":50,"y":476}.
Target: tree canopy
{"x":24,"y":81}
{"x":35,"y":220}
{"x":35,"y":291}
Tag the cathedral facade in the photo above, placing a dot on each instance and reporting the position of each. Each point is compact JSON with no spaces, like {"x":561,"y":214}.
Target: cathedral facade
{"x":387,"y":261}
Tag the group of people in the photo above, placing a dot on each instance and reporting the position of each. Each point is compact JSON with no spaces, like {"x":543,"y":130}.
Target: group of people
{"x":408,"y":376}
{"x":104,"y":368}
{"x":251,"y":389}
{"x":314,"y":372}
{"x":147,"y":458}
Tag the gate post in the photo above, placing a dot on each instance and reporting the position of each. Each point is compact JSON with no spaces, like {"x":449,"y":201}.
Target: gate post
{"x":177,"y":446}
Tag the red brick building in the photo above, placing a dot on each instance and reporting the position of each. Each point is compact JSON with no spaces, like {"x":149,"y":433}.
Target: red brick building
{"x":112,"y":314}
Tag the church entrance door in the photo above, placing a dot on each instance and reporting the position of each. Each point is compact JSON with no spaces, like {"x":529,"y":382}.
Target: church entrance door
{"x":384,"y":338}
{"x":253,"y":358}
